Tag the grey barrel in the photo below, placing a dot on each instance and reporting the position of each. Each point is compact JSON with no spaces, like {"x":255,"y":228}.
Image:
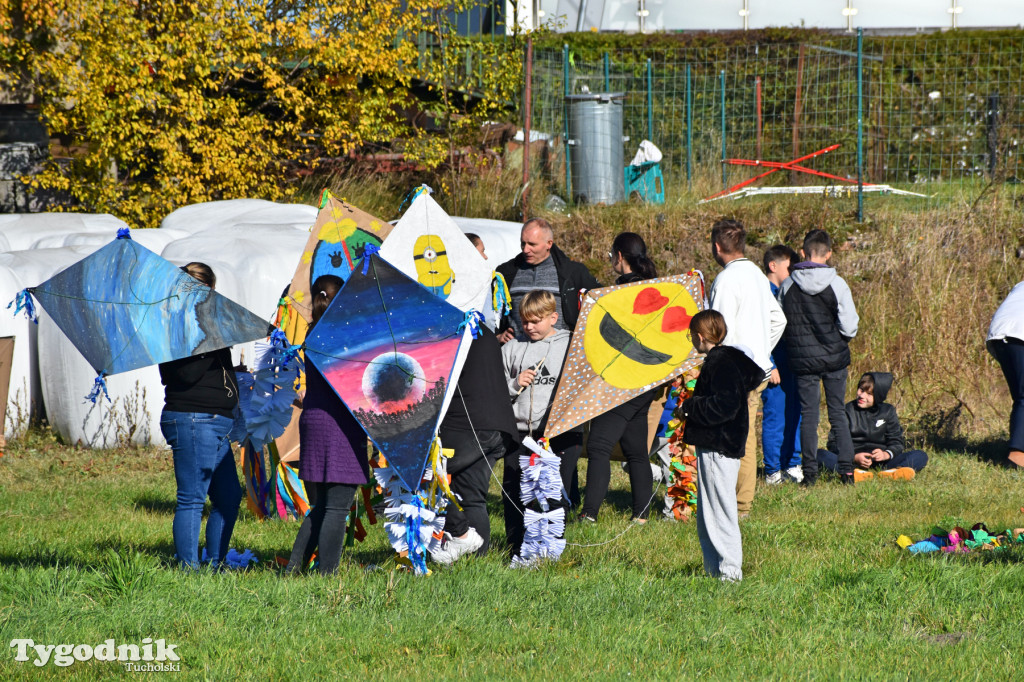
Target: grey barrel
{"x":596,"y":147}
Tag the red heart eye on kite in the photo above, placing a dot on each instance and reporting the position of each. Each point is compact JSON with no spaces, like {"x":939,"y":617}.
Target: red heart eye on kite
{"x":649,"y":300}
{"x":675,"y":320}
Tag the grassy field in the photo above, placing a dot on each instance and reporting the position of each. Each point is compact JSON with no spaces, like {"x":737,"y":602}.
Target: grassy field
{"x":85,"y":556}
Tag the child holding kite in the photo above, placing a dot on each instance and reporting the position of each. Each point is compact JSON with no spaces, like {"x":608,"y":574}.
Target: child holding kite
{"x":716,"y":423}
{"x":333,"y":463}
{"x":531,"y":370}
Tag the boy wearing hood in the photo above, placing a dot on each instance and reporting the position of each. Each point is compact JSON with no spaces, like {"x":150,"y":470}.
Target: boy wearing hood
{"x":821,"y":320}
{"x":876,"y":433}
{"x":532,"y":368}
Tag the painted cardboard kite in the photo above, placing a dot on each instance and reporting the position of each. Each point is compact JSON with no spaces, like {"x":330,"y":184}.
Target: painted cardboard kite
{"x":429,"y":247}
{"x":392,"y":351}
{"x":630,"y":338}
{"x":124,"y":307}
{"x":336,"y":244}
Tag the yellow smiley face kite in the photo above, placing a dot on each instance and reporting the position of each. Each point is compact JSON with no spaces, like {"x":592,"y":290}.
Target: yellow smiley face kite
{"x":637,"y":335}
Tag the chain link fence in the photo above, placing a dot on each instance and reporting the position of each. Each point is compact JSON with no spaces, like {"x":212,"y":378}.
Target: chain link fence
{"x":921,"y":113}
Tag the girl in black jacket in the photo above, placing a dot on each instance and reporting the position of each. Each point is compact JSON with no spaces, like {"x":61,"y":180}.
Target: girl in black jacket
{"x":716,"y":423}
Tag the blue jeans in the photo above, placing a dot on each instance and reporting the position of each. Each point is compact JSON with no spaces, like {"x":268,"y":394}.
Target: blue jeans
{"x":203,"y":465}
{"x":780,"y":425}
{"x":1010,"y":356}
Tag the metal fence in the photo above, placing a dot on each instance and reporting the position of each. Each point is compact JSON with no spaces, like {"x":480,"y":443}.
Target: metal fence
{"x":911,"y":112}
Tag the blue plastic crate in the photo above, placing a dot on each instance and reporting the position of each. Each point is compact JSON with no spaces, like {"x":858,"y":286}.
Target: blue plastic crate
{"x":647,"y":181}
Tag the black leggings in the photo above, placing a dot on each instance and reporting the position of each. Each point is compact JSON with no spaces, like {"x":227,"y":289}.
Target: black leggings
{"x":626,"y":425}
{"x":323,"y":527}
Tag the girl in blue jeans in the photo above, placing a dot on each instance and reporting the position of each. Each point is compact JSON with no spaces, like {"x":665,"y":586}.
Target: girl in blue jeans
{"x":200,"y":400}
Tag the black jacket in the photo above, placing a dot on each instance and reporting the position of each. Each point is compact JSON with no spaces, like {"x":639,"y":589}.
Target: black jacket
{"x":813,"y":337}
{"x":716,"y":416}
{"x":874,"y":427}
{"x":481,"y":397}
{"x":572,"y":277}
{"x":202,"y":383}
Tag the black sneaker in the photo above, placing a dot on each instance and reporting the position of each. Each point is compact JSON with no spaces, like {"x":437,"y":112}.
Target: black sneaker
{"x":847,"y":478}
{"x":808,"y":481}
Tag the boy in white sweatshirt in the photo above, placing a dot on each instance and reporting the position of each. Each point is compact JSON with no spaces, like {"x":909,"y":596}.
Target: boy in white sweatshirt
{"x":531,"y":369}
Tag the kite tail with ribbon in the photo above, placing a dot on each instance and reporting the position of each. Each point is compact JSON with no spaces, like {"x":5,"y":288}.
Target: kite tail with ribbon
{"x":473,"y":320}
{"x":99,"y":387}
{"x":414,"y":519}
{"x":411,"y":196}
{"x":544,"y":529}
{"x":325,"y":196}
{"x":124,"y":233}
{"x":23,"y":301}
{"x":368,"y":250}
{"x":254,"y":471}
{"x":501,"y":299}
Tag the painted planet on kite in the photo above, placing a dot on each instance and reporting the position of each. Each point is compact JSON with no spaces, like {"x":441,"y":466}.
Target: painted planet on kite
{"x":393,"y":381}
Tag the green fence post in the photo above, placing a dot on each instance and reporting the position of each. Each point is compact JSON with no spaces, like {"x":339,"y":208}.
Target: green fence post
{"x":724,"y":178}
{"x":650,"y":101}
{"x":860,"y":125}
{"x":689,"y":131}
{"x":565,"y":115}
{"x":607,"y":73}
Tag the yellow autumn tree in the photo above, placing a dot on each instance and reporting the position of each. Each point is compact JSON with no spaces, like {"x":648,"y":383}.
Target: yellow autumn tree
{"x":162,"y":103}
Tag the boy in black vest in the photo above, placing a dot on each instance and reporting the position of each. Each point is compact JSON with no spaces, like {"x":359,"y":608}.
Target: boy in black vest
{"x":820,"y":321}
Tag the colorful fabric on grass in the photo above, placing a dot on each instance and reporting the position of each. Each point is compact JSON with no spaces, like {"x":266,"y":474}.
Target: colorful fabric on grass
{"x":124,"y":307}
{"x":392,"y":351}
{"x":630,"y":338}
{"x":961,"y":540}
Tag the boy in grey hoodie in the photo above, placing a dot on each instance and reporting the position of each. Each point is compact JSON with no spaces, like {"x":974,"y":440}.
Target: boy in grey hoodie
{"x":531,"y":369}
{"x":820,"y":321}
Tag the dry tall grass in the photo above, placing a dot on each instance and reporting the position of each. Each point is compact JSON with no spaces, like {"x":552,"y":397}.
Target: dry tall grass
{"x":926,"y":276}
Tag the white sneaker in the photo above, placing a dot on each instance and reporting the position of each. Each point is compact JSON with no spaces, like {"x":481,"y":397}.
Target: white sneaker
{"x":452,"y":549}
{"x":773,"y":479}
{"x":795,"y":474}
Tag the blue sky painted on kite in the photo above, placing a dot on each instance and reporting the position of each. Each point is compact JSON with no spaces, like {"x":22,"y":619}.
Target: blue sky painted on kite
{"x":124,"y":307}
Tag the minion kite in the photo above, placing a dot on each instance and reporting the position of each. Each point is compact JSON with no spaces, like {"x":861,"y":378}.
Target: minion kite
{"x":432,"y":268}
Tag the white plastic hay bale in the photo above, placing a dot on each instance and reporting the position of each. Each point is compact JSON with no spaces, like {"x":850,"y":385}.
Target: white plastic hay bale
{"x":20,"y":269}
{"x":131,"y":415}
{"x":23,"y":230}
{"x":500,"y":237}
{"x":218,"y":214}
{"x":154,"y":240}
{"x":261,"y":259}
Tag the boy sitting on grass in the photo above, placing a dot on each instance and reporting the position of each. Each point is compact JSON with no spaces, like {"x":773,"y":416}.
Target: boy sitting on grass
{"x":716,"y":423}
{"x":876,"y":433}
{"x":531,"y":369}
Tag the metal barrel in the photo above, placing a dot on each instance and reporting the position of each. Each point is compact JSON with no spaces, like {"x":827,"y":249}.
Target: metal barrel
{"x":596,"y":147}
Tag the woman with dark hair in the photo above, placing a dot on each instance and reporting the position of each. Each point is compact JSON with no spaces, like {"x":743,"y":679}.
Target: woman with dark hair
{"x":333,"y":462}
{"x":627,"y":423}
{"x":200,"y":400}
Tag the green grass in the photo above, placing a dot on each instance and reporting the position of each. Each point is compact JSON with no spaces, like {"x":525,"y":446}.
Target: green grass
{"x":85,"y":555}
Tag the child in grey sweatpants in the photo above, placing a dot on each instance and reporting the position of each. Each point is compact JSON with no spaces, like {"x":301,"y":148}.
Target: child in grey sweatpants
{"x":716,"y":424}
